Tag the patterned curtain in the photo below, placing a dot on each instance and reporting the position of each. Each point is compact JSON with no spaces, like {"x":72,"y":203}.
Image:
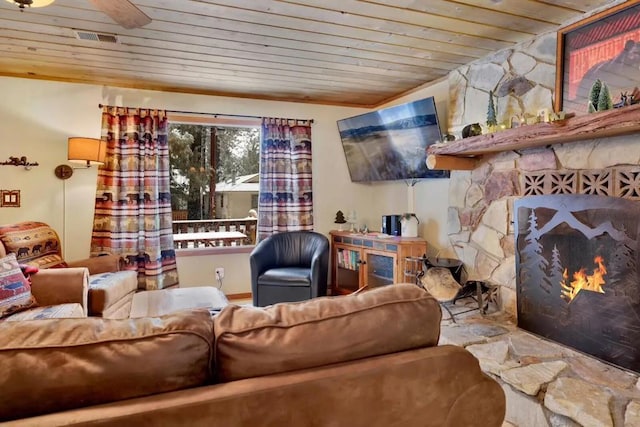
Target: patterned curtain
{"x":286,"y":201}
{"x":133,"y":202}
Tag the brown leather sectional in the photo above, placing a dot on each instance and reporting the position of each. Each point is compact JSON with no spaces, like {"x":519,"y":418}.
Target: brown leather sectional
{"x":369,"y":359}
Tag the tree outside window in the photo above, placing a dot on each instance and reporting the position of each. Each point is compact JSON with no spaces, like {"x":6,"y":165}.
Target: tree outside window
{"x":204,"y":157}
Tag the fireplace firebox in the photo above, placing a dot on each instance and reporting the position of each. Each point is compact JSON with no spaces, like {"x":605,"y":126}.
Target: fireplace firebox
{"x":576,"y":273}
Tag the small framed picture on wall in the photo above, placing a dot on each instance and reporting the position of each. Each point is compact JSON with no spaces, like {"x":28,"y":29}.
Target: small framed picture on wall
{"x":10,"y":198}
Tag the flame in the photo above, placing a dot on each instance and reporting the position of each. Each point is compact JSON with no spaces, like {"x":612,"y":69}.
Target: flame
{"x":583,"y":282}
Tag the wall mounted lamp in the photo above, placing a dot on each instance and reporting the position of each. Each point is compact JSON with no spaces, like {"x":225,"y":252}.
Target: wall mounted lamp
{"x":31,"y":3}
{"x":88,"y":151}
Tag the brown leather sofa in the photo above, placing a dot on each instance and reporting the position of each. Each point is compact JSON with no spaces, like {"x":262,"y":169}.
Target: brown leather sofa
{"x":370,"y":359}
{"x":109,"y":289}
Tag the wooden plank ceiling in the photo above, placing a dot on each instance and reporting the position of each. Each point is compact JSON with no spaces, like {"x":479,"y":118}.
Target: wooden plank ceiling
{"x":341,"y":52}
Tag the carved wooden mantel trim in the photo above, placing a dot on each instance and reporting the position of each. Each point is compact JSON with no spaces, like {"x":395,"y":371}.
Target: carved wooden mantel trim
{"x":621,"y":121}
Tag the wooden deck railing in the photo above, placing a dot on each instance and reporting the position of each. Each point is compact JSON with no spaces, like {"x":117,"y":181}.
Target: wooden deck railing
{"x":244,"y":225}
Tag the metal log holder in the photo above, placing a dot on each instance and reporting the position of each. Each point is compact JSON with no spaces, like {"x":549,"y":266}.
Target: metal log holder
{"x":413,"y":269}
{"x":481,"y":292}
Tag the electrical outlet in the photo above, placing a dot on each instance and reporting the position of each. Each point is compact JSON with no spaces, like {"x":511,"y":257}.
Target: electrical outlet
{"x":220,"y":273}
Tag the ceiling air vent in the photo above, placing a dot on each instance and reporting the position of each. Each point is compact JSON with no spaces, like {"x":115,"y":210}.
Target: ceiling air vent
{"x":96,"y":37}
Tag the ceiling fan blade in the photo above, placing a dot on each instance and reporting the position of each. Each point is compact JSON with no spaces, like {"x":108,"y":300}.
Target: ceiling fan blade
{"x":123,"y":12}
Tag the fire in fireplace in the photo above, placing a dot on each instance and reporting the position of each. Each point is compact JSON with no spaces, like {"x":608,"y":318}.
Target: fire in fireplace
{"x":582,"y":281}
{"x":577,"y":275}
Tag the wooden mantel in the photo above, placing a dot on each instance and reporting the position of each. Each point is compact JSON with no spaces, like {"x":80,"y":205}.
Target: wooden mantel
{"x":621,"y":121}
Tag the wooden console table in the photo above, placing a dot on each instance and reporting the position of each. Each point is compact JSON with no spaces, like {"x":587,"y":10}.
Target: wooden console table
{"x":359,"y":260}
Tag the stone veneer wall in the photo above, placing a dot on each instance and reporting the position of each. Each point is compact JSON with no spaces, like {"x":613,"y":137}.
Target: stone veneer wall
{"x":480,"y":215}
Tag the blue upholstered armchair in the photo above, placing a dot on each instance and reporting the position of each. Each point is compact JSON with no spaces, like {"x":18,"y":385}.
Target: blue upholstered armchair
{"x":289,"y":266}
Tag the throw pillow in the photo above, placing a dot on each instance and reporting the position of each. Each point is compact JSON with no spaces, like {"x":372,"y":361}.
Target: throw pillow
{"x":15,"y":291}
{"x":34,"y":243}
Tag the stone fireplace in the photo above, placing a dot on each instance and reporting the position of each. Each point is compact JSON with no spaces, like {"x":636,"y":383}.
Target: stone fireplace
{"x":483,"y":226}
{"x":480,"y":223}
{"x":576,"y":273}
{"x":482,"y":202}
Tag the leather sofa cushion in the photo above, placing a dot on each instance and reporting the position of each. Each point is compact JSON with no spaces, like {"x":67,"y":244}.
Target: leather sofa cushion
{"x":99,"y":264}
{"x":120,"y":309}
{"x":60,"y":311}
{"x":106,"y":289}
{"x":253,"y":341}
{"x":53,"y":365}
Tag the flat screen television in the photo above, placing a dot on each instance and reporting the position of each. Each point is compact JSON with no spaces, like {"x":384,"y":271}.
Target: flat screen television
{"x":390,"y":144}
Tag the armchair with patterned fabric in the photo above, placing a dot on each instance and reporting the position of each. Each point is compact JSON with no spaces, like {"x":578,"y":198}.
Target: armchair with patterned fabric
{"x":109,"y":289}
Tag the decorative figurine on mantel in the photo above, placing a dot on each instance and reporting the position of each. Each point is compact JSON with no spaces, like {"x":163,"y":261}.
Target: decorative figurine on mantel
{"x":492,"y":122}
{"x":473,"y":129}
{"x":340,"y":220}
{"x":599,"y":97}
{"x":516,"y":121}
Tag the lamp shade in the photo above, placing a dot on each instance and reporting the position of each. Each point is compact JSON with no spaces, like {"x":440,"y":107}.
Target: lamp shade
{"x":31,"y":3}
{"x":87,"y":150}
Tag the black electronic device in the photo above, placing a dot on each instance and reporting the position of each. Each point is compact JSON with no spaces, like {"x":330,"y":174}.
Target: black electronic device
{"x":391,"y":225}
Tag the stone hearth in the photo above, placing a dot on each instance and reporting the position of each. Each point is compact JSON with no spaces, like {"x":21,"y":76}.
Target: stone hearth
{"x":546,"y":384}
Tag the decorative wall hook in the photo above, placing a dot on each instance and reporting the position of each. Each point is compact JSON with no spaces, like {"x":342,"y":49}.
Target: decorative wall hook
{"x":19,"y":161}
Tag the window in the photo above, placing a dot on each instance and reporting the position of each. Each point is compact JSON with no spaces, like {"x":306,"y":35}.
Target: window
{"x":214,"y":182}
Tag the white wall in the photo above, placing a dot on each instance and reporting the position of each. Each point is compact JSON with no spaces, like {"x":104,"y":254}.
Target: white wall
{"x":37,"y":117}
